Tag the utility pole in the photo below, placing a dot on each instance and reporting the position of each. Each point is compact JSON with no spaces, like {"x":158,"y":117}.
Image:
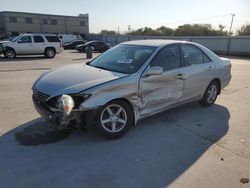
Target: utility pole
{"x":129,"y":28}
{"x":118,"y":32}
{"x":231,"y":24}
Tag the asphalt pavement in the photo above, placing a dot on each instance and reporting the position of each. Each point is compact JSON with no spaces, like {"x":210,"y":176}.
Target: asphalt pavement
{"x":190,"y":146}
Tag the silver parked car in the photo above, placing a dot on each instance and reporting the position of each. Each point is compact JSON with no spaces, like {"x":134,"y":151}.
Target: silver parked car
{"x":128,"y":82}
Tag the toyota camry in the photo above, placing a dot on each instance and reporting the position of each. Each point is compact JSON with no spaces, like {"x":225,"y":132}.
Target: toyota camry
{"x":132,"y":80}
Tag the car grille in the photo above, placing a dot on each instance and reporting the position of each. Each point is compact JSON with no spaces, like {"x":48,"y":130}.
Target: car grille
{"x":42,"y":97}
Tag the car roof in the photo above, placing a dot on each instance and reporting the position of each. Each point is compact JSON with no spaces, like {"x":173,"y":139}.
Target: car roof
{"x":155,"y":42}
{"x":42,"y":34}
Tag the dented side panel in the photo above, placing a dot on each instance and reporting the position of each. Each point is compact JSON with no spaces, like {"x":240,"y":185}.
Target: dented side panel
{"x":157,"y":92}
{"x":124,"y":88}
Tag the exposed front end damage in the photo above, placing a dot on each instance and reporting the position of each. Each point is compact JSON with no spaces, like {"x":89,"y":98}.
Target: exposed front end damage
{"x":2,"y":48}
{"x":58,"y":111}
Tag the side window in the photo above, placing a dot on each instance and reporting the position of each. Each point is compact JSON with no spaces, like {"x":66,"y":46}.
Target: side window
{"x":206,"y":58}
{"x":52,"y":38}
{"x":38,"y":39}
{"x":168,"y":58}
{"x":192,"y":55}
{"x":25,"y":39}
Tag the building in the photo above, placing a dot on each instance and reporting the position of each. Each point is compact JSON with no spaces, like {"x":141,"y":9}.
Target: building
{"x":14,"y":23}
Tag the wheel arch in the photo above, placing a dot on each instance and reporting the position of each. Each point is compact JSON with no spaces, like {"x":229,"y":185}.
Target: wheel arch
{"x":49,"y":47}
{"x":9,"y":48}
{"x":219,"y":84}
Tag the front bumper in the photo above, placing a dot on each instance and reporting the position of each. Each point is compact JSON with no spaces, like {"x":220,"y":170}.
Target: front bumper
{"x":45,"y":112}
{"x":77,"y":118}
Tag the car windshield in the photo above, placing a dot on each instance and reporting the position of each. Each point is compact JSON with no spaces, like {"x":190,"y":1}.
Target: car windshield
{"x":14,"y":39}
{"x":123,"y":58}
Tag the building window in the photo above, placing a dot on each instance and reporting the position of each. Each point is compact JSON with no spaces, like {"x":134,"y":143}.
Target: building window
{"x":45,"y":21}
{"x":12,"y":19}
{"x":28,"y":20}
{"x":82,"y":23}
{"x":53,"y":22}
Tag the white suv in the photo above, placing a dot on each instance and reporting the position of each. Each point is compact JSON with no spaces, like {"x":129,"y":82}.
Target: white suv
{"x":32,"y":44}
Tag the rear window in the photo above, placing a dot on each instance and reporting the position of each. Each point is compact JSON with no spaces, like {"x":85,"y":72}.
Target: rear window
{"x":52,"y":38}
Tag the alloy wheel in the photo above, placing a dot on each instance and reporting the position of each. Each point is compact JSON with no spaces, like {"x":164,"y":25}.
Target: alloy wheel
{"x":212,"y":93}
{"x":113,"y":118}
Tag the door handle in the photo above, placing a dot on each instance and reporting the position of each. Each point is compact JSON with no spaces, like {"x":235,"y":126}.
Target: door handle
{"x":180,"y":77}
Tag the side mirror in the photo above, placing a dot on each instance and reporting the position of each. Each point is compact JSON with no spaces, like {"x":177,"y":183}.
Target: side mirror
{"x":153,"y":71}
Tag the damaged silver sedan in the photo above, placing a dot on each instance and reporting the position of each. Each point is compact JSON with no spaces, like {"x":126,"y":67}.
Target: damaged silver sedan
{"x":131,"y":81}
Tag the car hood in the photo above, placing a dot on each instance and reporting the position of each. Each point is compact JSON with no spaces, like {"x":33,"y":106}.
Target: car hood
{"x":4,"y":42}
{"x":73,"y":79}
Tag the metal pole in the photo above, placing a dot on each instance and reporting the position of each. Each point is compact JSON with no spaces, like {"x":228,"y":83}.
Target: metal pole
{"x":231,"y":24}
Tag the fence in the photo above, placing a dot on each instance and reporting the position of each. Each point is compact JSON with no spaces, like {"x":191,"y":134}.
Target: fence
{"x":233,"y":45}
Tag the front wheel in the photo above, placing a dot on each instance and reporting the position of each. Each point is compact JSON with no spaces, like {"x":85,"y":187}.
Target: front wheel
{"x":10,"y":54}
{"x":114,"y":119}
{"x":210,"y":94}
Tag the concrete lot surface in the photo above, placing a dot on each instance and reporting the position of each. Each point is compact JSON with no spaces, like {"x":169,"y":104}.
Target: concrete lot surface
{"x":190,"y":146}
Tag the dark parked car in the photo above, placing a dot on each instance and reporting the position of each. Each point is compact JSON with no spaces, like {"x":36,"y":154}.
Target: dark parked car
{"x":73,"y":44}
{"x":99,"y":46}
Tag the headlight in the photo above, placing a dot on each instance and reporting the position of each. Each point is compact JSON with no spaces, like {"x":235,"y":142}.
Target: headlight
{"x":66,"y":103}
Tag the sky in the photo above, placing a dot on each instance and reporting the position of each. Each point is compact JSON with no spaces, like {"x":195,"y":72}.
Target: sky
{"x":111,"y":14}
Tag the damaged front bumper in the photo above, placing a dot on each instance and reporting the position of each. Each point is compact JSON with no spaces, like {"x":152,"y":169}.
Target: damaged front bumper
{"x":77,"y":118}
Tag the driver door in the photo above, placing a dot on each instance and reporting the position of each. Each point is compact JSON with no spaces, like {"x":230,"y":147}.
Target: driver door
{"x":157,"y":92}
{"x":24,"y":45}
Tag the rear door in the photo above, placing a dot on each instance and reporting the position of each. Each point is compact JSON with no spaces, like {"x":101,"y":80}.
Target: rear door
{"x":39,"y":44}
{"x":201,"y":68}
{"x":157,"y":92}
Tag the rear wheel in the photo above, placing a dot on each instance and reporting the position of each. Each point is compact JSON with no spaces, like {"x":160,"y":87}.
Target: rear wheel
{"x":210,"y":94}
{"x":114,"y":119}
{"x":10,"y":54}
{"x":50,"y":52}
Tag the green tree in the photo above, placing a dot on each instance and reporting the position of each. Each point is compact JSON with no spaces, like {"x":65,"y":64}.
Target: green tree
{"x":164,"y":31}
{"x":244,"y":30}
{"x":146,"y":31}
{"x":221,"y":27}
{"x":107,"y":32}
{"x":198,"y":30}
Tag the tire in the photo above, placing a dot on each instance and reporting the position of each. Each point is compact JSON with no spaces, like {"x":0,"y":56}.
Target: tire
{"x":210,"y":94}
{"x":114,"y":119}
{"x":50,"y":52}
{"x":10,"y":54}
